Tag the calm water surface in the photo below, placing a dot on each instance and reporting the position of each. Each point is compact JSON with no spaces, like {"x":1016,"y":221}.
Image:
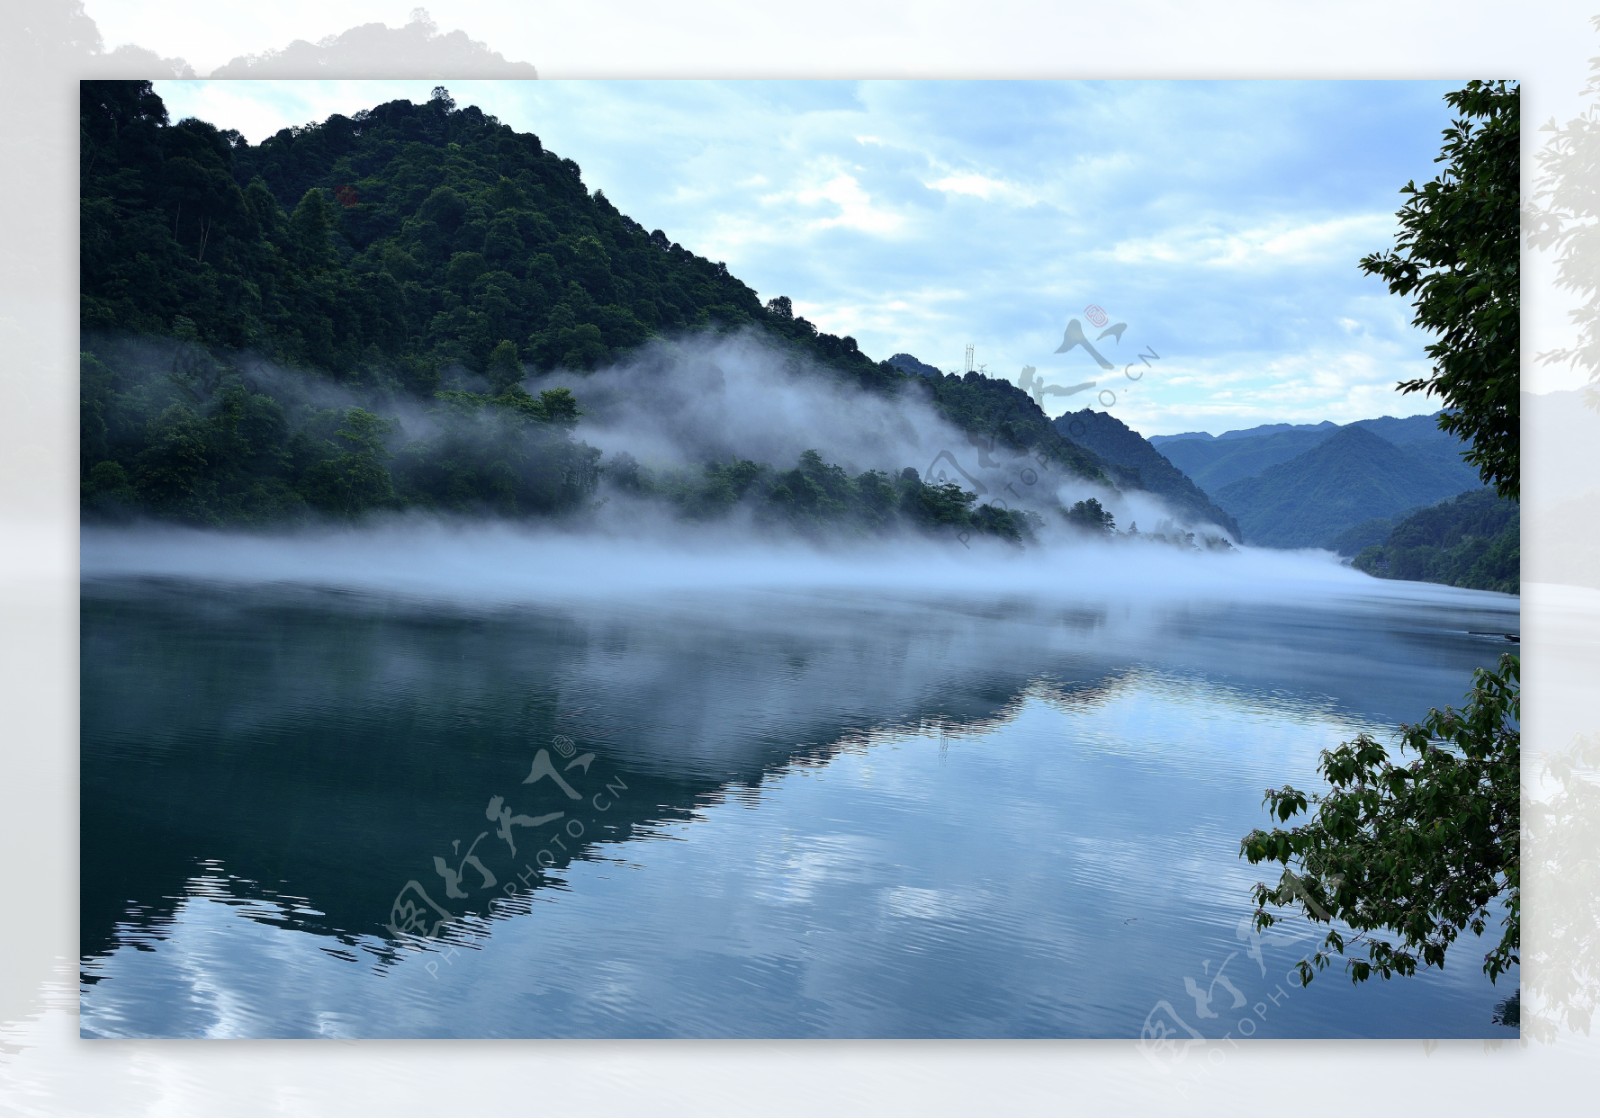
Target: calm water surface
{"x":826,"y":814}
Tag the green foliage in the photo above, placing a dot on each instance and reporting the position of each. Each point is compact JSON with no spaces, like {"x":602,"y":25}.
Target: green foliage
{"x":996,"y":412}
{"x":96,"y":395}
{"x":418,"y":232}
{"x":174,"y":431}
{"x":1174,"y":535}
{"x":511,"y":455}
{"x":505,"y":368}
{"x":1132,"y":461}
{"x":817,"y":498}
{"x":171,"y":469}
{"x":354,"y":478}
{"x":1349,"y":477}
{"x":1401,"y":857}
{"x":1357,"y":538}
{"x":1089,"y":516}
{"x":558,"y":406}
{"x":426,"y":259}
{"x":1407,"y":856}
{"x":1457,"y":254}
{"x":1473,"y":540}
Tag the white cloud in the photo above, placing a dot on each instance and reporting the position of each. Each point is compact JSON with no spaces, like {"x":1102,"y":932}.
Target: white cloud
{"x":1288,"y":240}
{"x":856,"y":209}
{"x":921,"y":313}
{"x":977,"y":185}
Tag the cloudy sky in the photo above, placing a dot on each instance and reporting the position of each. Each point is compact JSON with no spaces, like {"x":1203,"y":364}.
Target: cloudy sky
{"x":1220,"y":221}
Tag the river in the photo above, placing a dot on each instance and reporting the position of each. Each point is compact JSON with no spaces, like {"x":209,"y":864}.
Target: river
{"x":325,"y":808}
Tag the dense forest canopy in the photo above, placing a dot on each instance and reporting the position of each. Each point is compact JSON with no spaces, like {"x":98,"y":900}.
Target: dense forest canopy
{"x":1472,"y":540}
{"x":1133,"y":461}
{"x":399,"y":241}
{"x":420,"y":263}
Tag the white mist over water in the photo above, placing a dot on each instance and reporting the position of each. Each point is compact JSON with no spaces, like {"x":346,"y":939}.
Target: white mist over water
{"x":675,"y":404}
{"x":497,"y":562}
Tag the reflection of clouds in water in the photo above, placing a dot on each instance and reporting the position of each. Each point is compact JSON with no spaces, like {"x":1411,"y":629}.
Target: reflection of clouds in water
{"x":916,"y":889}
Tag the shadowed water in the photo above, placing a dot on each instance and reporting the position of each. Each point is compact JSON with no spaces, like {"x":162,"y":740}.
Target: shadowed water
{"x":784,"y":813}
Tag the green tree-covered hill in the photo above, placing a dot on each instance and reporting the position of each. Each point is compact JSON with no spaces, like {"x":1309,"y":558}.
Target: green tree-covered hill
{"x":1132,"y":461}
{"x":1217,"y":461}
{"x":420,"y":266}
{"x":1472,"y":540}
{"x":1350,"y":477}
{"x":396,"y":242}
{"x":1213,"y":463}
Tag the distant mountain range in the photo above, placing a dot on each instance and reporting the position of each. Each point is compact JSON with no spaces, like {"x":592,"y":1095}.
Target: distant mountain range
{"x":1133,"y":463}
{"x":1324,"y":485}
{"x":1215,"y":463}
{"x":1348,"y":477}
{"x":1243,"y":433}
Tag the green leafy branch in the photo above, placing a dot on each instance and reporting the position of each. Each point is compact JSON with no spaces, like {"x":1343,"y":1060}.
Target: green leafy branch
{"x":1407,"y":853}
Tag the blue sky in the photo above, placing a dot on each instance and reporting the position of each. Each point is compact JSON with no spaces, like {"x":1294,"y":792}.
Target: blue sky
{"x":1221,"y":221}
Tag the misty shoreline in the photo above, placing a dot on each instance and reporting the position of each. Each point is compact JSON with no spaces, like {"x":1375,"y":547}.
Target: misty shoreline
{"x":496,"y":562}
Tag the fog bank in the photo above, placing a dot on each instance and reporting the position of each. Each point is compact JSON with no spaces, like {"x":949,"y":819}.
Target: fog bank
{"x":497,"y":562}
{"x":702,"y":398}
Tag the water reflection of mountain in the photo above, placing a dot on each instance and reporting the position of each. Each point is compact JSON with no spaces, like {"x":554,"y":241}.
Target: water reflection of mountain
{"x":326,"y":747}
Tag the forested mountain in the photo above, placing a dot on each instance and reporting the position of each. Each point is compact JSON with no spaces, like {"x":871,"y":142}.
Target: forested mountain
{"x":997,"y":413}
{"x":1132,"y":461}
{"x":1215,"y":463}
{"x":1364,"y":535}
{"x":1219,"y":461}
{"x":1423,"y":435}
{"x":1351,"y":477}
{"x":908,"y":364}
{"x":420,"y":263}
{"x":390,"y":244}
{"x":1472,"y":540}
{"x":1244,"y":432}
